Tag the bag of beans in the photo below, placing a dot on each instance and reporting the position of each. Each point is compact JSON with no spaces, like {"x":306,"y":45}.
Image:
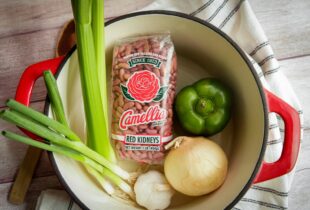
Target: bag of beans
{"x":144,"y":80}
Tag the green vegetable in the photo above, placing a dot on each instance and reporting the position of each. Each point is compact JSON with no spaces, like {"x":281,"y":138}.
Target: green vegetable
{"x":43,"y":131}
{"x":100,"y":168}
{"x":54,"y":96}
{"x":92,"y":167}
{"x":53,"y":148}
{"x":118,"y":182}
{"x":204,"y":108}
{"x":106,"y":185}
{"x":99,"y":40}
{"x":96,"y":119}
{"x":41,"y":118}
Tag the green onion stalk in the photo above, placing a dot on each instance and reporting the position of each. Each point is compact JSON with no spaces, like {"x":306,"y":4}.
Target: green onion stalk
{"x":51,"y":131}
{"x":42,"y":130}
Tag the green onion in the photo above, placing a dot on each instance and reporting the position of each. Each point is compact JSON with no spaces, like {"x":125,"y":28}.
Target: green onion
{"x":57,"y":149}
{"x":38,"y":129}
{"x":102,"y":181}
{"x":92,"y":167}
{"x":41,"y":118}
{"x":54,"y":96}
{"x":96,"y":121}
{"x":118,"y":182}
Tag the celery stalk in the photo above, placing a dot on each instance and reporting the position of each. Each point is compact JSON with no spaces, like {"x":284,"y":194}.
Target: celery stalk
{"x":96,"y":124}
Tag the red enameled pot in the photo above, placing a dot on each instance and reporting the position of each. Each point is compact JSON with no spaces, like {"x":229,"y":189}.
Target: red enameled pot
{"x":202,"y":50}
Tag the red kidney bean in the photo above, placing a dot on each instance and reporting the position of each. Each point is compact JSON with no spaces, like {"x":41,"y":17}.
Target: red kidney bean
{"x":146,"y":48}
{"x":128,"y":50}
{"x":138,"y":44}
{"x":145,"y":108}
{"x":120,"y":101}
{"x":122,"y":48}
{"x":126,"y":76}
{"x":133,"y":69}
{"x":123,"y":65}
{"x":134,"y":129}
{"x":151,"y":131}
{"x":158,"y":155}
{"x":121,"y":74}
{"x":116,"y":89}
{"x":116,"y":82}
{"x":142,"y":127}
{"x":170,"y":113}
{"x":143,"y":155}
{"x":138,"y":105}
{"x":157,"y":72}
{"x":128,"y":105}
{"x":120,"y":109}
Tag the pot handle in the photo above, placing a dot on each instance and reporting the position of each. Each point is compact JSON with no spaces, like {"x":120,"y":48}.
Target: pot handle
{"x":291,"y":143}
{"x":28,"y":79}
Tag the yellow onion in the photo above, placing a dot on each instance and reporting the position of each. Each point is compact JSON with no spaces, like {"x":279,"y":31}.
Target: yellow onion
{"x":195,"y":166}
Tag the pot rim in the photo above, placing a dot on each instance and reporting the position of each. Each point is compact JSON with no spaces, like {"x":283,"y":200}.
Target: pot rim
{"x":234,"y":45}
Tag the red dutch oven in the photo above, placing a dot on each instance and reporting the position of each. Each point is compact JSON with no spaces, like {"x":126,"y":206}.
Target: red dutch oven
{"x":202,"y":50}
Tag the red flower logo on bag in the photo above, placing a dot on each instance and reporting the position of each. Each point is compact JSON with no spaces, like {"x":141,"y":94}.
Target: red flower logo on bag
{"x":143,"y":86}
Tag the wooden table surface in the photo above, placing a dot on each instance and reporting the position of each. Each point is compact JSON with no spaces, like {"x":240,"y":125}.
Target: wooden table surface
{"x":28,"y":34}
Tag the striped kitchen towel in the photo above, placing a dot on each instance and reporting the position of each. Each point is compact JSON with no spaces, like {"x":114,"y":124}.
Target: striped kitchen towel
{"x":235,"y":18}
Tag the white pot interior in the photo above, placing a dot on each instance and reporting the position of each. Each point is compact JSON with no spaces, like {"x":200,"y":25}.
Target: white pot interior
{"x":201,"y":52}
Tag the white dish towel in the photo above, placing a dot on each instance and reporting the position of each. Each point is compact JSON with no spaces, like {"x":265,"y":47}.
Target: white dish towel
{"x":235,"y":18}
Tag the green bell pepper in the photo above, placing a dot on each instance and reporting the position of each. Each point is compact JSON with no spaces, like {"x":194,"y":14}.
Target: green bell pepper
{"x":204,"y":108}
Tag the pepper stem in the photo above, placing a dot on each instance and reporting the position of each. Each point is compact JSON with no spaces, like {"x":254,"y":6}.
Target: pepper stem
{"x":204,"y":106}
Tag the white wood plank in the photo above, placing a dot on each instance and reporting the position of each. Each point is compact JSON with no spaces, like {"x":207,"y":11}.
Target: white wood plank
{"x":18,"y":52}
{"x":299,"y":196}
{"x":12,"y":153}
{"x":297,"y":71}
{"x":119,"y":7}
{"x":286,"y":24}
{"x":38,"y":15}
{"x":37,"y":185}
{"x":22,"y":16}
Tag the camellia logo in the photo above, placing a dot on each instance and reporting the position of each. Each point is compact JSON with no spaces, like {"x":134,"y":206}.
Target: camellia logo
{"x":152,"y":114}
{"x":143,"y":86}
